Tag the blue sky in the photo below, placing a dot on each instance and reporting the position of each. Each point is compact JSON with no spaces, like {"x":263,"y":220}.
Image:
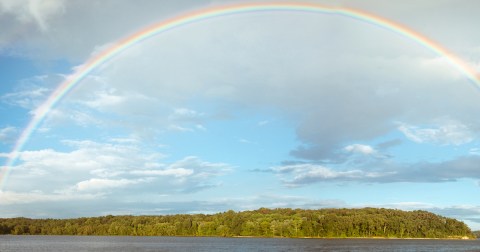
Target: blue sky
{"x":255,"y":110}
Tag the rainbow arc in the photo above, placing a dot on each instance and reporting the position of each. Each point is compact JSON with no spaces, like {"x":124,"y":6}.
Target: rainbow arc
{"x":217,"y":12}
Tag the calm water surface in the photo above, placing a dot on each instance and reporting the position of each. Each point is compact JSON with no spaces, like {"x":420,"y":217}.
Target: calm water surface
{"x":138,"y":244}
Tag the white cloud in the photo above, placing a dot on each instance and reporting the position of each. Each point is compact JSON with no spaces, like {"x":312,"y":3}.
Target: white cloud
{"x":310,"y":173}
{"x":175,"y":172}
{"x":111,"y":168}
{"x":360,"y":149}
{"x":12,"y":198}
{"x":97,"y":94}
{"x":106,"y":99}
{"x":441,"y":65}
{"x":380,"y":171}
{"x":58,"y":116}
{"x":99,"y":103}
{"x":185,"y":114}
{"x":451,"y":133}
{"x":202,"y":169}
{"x":100,"y":184}
{"x":5,"y":155}
{"x":474,"y":151}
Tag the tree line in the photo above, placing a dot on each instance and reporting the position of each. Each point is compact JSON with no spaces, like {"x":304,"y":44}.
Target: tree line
{"x":264,"y":222}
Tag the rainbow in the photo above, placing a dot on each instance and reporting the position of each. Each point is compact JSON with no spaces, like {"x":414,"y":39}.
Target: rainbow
{"x":215,"y":12}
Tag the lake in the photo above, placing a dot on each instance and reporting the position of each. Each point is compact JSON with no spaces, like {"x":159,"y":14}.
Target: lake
{"x":134,"y":243}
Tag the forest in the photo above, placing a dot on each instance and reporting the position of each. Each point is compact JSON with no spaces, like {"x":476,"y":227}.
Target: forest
{"x":264,"y":222}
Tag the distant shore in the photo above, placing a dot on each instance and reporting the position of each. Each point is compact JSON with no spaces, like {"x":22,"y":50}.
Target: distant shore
{"x":365,"y":223}
{"x":384,"y":238}
{"x":270,"y":237}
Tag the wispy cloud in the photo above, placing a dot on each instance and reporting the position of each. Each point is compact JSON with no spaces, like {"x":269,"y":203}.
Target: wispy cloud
{"x":29,"y":94}
{"x":13,"y":198}
{"x":302,"y":174}
{"x":263,"y":123}
{"x":381,"y":172}
{"x":454,"y":133}
{"x":8,"y":134}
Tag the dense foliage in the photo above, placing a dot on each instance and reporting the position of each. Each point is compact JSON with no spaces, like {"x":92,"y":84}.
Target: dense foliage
{"x":477,"y":233}
{"x":366,"y":222}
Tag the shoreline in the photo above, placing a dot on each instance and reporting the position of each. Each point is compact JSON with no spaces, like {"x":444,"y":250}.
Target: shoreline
{"x":264,"y":237}
{"x":353,"y":238}
{"x":465,"y":238}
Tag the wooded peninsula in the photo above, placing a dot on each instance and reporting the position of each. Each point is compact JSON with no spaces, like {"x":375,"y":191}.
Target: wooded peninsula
{"x":264,"y":222}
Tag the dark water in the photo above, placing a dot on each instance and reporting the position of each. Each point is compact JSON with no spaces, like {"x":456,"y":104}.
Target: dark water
{"x":138,"y":244}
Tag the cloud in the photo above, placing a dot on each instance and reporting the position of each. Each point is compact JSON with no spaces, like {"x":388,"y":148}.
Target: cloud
{"x":98,"y":205}
{"x":474,"y":151}
{"x":53,"y":29}
{"x":201,"y":169}
{"x":175,"y":172}
{"x":343,"y":92}
{"x":461,"y":211}
{"x":99,"y":184}
{"x":389,"y":144}
{"x":13,"y":198}
{"x":96,"y":103}
{"x":263,"y":123}
{"x":360,"y":149}
{"x":103,"y":100}
{"x":8,"y":134}
{"x":470,"y":214}
{"x":5,"y":155}
{"x":111,"y":168}
{"x":185,"y":114}
{"x":58,"y":117}
{"x":30,"y":93}
{"x":451,"y":133}
{"x":31,"y":11}
{"x":307,"y":173}
{"x":380,"y":171}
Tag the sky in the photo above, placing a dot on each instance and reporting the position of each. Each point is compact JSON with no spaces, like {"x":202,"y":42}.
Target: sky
{"x":254,"y":109}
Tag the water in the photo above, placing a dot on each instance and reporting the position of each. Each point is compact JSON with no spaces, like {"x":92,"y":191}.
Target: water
{"x":138,"y":244}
